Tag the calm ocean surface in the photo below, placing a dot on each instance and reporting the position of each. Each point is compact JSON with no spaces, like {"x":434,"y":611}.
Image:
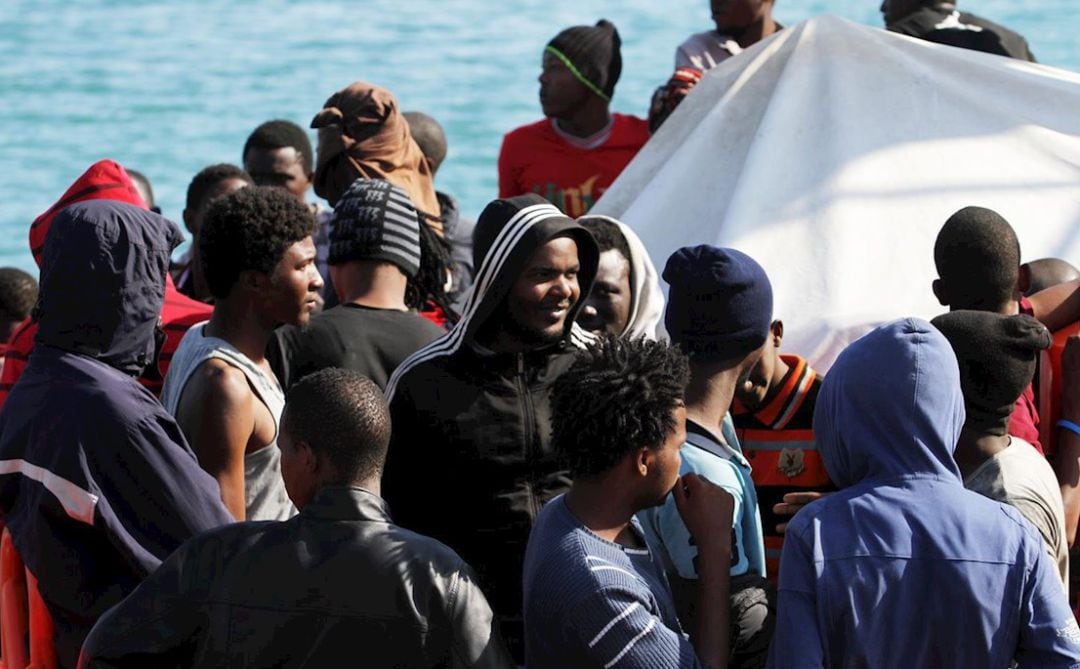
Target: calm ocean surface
{"x":170,"y":87}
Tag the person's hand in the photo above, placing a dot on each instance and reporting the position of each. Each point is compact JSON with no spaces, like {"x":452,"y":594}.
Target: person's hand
{"x":793,"y":501}
{"x":707,"y":510}
{"x":1070,"y":378}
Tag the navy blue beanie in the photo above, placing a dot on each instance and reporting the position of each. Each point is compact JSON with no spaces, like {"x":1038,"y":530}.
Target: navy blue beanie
{"x":720,"y":302}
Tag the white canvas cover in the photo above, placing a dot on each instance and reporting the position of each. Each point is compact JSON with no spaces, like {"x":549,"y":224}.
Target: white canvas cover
{"x":833,"y":153}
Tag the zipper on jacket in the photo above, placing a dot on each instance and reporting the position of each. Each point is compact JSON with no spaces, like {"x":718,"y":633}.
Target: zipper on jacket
{"x":530,"y":433}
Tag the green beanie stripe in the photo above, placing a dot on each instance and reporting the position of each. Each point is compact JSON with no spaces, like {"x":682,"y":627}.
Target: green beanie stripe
{"x":577,"y":73}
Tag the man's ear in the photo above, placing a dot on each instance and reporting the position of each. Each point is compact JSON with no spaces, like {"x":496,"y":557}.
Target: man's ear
{"x":939,"y":292}
{"x":643,"y":461}
{"x":1023,"y":281}
{"x":253,"y":281}
{"x":188,"y":217}
{"x":777,"y":329}
{"x":307,"y":457}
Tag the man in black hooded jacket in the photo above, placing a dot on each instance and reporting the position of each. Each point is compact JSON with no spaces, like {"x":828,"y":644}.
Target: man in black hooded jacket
{"x":470,"y":460}
{"x":97,"y":485}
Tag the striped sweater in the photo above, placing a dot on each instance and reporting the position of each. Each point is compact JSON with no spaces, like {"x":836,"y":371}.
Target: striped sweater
{"x":593,"y":603}
{"x":778,"y":440}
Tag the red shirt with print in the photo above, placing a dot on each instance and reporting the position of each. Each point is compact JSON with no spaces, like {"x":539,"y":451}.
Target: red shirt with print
{"x":571,"y":174}
{"x":1024,"y":421}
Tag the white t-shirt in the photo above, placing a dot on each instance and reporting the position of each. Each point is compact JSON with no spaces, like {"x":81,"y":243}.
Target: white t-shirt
{"x":1022,"y":478}
{"x":705,"y":51}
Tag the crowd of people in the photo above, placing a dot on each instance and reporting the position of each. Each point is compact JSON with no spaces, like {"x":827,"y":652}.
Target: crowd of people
{"x":381,"y":433}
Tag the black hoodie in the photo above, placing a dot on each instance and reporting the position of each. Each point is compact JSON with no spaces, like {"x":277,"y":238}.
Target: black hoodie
{"x":97,"y":484}
{"x":470,"y":460}
{"x":943,"y":24}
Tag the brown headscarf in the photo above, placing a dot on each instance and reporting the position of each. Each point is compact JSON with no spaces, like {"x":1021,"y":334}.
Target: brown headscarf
{"x":362,"y":134}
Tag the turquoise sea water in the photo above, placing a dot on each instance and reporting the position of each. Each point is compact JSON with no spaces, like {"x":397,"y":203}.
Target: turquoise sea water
{"x":170,"y":87}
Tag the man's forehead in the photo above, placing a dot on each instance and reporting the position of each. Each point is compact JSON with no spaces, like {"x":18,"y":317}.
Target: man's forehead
{"x":299,"y":250}
{"x":266,"y":159}
{"x":561,"y":249}
{"x":550,"y":60}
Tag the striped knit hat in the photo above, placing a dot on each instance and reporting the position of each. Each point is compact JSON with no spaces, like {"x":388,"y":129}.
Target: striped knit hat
{"x":375,"y":220}
{"x":592,"y":54}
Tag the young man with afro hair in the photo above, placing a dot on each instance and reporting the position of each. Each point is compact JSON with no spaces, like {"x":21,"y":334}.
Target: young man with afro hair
{"x":278,"y":153}
{"x":256,"y":251}
{"x":595,"y":594}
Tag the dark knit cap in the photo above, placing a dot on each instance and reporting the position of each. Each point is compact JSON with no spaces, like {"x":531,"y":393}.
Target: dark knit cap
{"x":997,"y":356}
{"x":720,"y":302}
{"x":592,"y":54}
{"x":375,"y":220}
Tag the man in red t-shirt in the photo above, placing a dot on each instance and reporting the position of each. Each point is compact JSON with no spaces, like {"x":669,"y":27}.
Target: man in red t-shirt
{"x":572,"y":156}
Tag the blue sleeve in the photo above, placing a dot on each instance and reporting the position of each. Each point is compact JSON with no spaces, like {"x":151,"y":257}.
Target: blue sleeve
{"x":615,"y":628}
{"x":1049,"y":635}
{"x":796,"y":641}
{"x":666,"y":527}
{"x":157,"y":496}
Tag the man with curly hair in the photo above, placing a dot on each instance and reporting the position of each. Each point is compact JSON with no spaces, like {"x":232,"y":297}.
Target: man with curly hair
{"x":278,"y":153}
{"x":595,"y":594}
{"x":258,"y":257}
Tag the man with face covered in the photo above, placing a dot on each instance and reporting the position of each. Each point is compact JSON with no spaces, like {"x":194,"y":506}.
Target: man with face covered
{"x":470,"y":460}
{"x":97,"y":484}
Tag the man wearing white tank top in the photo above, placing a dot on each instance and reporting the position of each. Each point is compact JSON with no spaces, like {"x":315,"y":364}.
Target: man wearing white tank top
{"x":258,"y":255}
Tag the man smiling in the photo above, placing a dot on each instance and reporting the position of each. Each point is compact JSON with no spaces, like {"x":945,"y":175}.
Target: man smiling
{"x":259,"y":260}
{"x":470,"y":459}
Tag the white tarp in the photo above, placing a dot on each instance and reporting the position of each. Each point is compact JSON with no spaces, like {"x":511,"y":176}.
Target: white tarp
{"x":833,"y":153}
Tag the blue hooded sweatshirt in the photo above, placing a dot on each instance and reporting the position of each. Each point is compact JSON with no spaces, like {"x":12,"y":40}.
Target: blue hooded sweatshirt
{"x":97,"y":485}
{"x":904,"y":567}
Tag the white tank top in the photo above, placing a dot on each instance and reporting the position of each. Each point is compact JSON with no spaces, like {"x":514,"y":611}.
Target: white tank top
{"x":264,"y":490}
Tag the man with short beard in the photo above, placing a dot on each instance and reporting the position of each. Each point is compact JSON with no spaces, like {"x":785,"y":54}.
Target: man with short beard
{"x":470,"y":460}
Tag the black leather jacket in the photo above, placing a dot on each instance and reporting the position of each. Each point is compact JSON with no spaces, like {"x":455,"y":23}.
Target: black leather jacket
{"x":338,"y":584}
